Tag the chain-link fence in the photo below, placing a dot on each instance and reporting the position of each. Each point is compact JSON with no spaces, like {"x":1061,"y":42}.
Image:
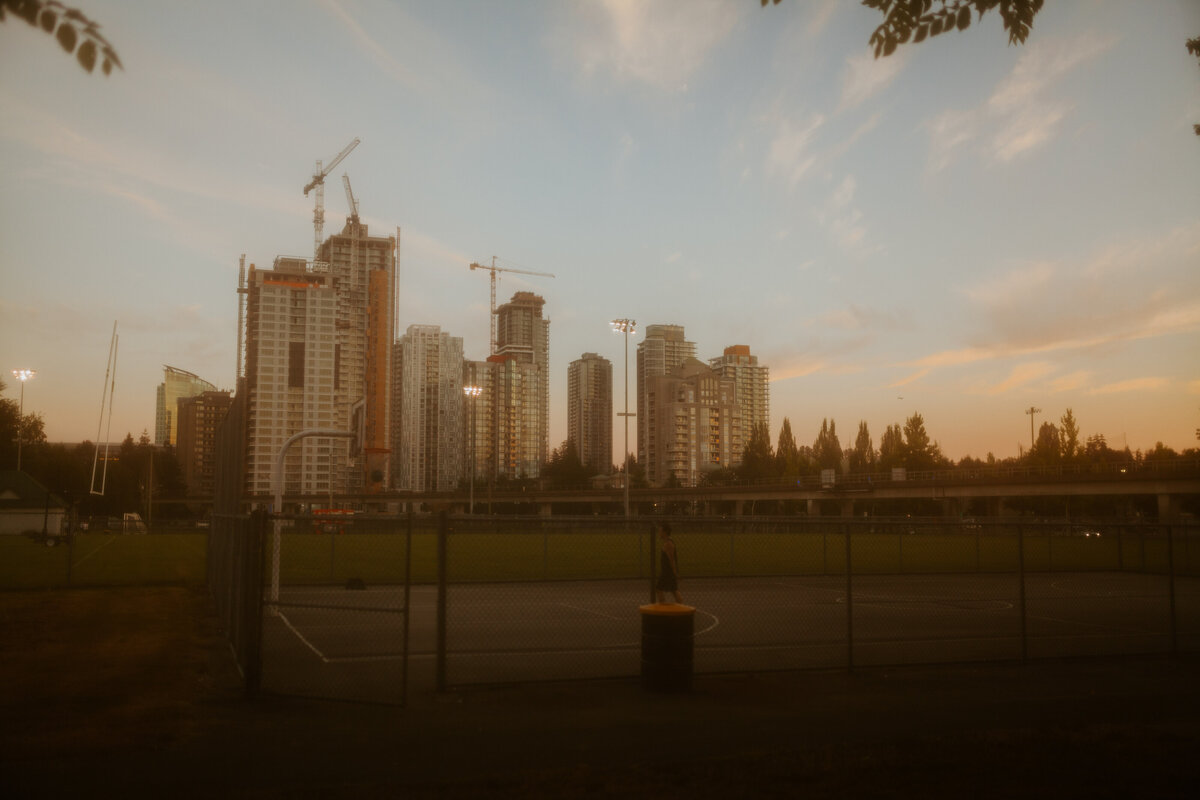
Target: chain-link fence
{"x":94,"y":559}
{"x":235,"y":579}
{"x":361,"y":607}
{"x":555,"y":598}
{"x":336,"y":593}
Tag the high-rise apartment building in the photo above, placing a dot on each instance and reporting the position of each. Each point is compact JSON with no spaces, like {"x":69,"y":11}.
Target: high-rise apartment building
{"x":663,"y":349}
{"x":519,"y":431}
{"x":292,"y":378}
{"x":479,"y":440}
{"x":521,"y":386}
{"x":590,"y":411}
{"x":177,"y":384}
{"x":752,"y":380}
{"x":428,"y":438}
{"x":199,"y":417}
{"x":362,"y":269}
{"x":318,"y":356}
{"x":694,"y":424}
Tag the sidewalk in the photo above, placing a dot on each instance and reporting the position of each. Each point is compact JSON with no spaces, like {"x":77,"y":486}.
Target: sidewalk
{"x":152,"y":706}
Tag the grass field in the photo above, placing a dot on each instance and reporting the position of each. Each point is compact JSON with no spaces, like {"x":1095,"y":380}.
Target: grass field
{"x":103,"y":560}
{"x":536,"y":550}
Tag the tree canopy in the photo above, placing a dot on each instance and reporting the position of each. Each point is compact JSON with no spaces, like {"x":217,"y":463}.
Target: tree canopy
{"x":30,"y":428}
{"x":915,"y":20}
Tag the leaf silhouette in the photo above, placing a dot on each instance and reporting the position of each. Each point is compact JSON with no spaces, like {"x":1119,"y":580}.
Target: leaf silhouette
{"x":87,"y":55}
{"x":66,"y":37}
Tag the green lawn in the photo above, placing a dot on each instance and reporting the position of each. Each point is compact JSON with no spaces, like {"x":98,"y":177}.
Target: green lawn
{"x":96,"y":559}
{"x":524,"y":550}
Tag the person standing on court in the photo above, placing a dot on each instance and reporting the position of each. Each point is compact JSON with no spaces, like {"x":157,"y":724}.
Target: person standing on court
{"x":668,"y":566}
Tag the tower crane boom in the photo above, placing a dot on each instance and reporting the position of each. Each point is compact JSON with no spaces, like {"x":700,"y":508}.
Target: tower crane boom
{"x":318,"y":183}
{"x":350,"y":199}
{"x":494,"y":269}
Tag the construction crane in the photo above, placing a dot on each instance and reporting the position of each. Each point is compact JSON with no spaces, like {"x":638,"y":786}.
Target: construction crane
{"x":350,"y":199}
{"x":318,"y":183}
{"x":494,"y":269}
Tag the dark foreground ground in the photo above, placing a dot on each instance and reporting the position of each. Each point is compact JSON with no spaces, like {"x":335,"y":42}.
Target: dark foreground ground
{"x":133,"y":693}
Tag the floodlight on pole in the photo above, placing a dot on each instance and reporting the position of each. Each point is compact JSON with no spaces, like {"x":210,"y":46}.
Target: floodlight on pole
{"x":472,"y":392}
{"x":22,"y":375}
{"x":626,"y":327}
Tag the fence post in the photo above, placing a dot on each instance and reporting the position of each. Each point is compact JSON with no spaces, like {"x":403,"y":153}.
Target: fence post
{"x":1171,"y":587}
{"x":1021,"y":598}
{"x":70,"y":553}
{"x":408,"y":531}
{"x":441,"y":600}
{"x":849,"y":602}
{"x":1120,"y":548}
{"x":653,"y":551}
{"x":252,"y":595}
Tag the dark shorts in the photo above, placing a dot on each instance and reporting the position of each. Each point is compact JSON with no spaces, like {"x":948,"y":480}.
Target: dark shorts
{"x":667,"y":582}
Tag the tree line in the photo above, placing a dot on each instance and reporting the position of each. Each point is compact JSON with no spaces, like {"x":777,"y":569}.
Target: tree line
{"x":132,"y":473}
{"x":908,"y":446}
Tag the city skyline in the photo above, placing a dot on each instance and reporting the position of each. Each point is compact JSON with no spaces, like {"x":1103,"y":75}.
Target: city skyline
{"x":965,"y":229}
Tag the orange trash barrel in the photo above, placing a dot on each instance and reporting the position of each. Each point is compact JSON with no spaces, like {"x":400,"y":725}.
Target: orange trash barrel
{"x":667,"y":630}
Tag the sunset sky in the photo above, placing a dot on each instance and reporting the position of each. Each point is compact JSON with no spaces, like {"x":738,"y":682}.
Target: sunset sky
{"x":965,"y":229}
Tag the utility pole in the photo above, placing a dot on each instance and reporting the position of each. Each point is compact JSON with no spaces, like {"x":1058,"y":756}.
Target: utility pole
{"x":1031,"y":411}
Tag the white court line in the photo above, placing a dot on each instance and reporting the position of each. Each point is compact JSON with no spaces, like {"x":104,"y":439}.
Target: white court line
{"x":715,"y":622}
{"x":300,"y":636}
{"x":326,"y":659}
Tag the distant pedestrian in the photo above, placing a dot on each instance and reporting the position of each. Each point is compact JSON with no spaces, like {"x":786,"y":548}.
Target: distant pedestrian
{"x":668,"y":566}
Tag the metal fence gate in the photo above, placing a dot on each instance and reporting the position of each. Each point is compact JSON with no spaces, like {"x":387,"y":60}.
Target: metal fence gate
{"x":363,"y":607}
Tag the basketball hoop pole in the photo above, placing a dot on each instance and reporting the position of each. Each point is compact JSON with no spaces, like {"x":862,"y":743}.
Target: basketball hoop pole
{"x":277,"y":506}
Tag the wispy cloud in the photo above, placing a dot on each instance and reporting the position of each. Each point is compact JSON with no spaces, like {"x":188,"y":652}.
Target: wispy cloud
{"x":396,"y":39}
{"x":820,"y":14}
{"x":1133,"y":385}
{"x":1015,"y":286}
{"x":1126,"y":291}
{"x":791,"y":153}
{"x":1020,"y":375}
{"x":661,"y":45}
{"x":1021,"y":114}
{"x":381,"y":56}
{"x":865,"y":76}
{"x":84,"y":160}
{"x":858,"y":318}
{"x":844,"y":221}
{"x":1069,"y":383}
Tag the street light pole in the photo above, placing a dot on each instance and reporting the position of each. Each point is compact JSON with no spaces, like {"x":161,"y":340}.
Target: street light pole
{"x":626,"y":326}
{"x":472,"y":392}
{"x":22,"y":375}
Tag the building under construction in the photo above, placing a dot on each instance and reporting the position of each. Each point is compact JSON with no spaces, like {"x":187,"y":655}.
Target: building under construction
{"x":317,"y":336}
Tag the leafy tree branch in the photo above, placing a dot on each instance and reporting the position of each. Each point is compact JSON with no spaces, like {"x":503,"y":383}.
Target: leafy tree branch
{"x":75,"y":32}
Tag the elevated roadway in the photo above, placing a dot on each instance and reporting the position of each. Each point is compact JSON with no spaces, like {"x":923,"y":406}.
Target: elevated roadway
{"x":955,"y":490}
